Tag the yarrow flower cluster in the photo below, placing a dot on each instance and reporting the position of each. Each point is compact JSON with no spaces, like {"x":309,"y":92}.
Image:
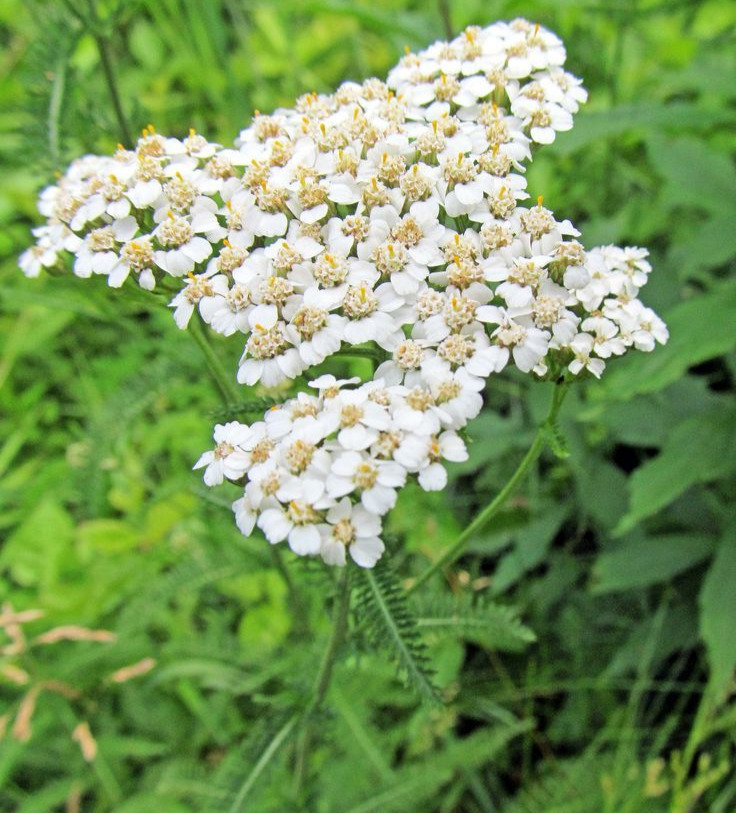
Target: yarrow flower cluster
{"x":388,"y":213}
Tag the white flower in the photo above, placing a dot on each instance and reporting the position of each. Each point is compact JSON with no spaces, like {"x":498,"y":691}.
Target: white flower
{"x":416,"y":411}
{"x":369,"y":314}
{"x":33,"y":260}
{"x":268,"y":357}
{"x":315,"y":331}
{"x":198,"y":290}
{"x":227,"y":459}
{"x":183,"y":247}
{"x":375,"y":480}
{"x":385,"y":214}
{"x":137,"y":256}
{"x":297,"y":523}
{"x":356,"y":419}
{"x":422,"y":454}
{"x":245,"y":515}
{"x":281,"y":419}
{"x":517,"y":337}
{"x":582,"y":347}
{"x":405,"y":364}
{"x":456,"y":393}
{"x":352,"y":528}
{"x":227,"y":308}
{"x":606,"y":339}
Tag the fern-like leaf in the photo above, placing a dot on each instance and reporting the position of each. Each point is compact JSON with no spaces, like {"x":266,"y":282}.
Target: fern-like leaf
{"x":382,"y":606}
{"x":255,"y":406}
{"x":190,"y":575}
{"x":491,"y":625}
{"x":555,"y":438}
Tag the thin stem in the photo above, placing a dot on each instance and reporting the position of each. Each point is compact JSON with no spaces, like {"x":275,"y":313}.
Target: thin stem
{"x":698,"y":732}
{"x":538,"y":444}
{"x":339,"y":628}
{"x":446,"y":17}
{"x":93,"y":27}
{"x":222,"y":379}
{"x":324,"y":675}
{"x":374,"y":354}
{"x":55,"y":103}
{"x":263,"y":761}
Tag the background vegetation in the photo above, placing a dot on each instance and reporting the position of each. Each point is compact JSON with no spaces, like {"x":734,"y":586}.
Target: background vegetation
{"x":615,"y":694}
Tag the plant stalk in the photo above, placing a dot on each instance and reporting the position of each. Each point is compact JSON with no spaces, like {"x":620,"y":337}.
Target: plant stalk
{"x":538,"y":444}
{"x":324,"y":675}
{"x":443,"y":7}
{"x":93,"y":26}
{"x":222,"y":380}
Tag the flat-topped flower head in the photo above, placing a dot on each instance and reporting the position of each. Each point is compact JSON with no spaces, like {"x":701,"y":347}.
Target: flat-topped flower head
{"x":388,"y":220}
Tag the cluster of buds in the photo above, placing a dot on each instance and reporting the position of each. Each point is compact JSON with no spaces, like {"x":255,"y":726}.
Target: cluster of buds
{"x":390,"y":214}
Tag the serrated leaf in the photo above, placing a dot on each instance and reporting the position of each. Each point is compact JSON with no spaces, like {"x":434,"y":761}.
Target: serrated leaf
{"x":693,"y":340}
{"x":556,"y":441}
{"x":699,"y":450}
{"x":494,"y":626}
{"x":649,"y":560}
{"x":717,"y":613}
{"x":383,"y":604}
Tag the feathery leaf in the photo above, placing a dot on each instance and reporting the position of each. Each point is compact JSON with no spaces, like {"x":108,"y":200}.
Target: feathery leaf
{"x":382,"y":605}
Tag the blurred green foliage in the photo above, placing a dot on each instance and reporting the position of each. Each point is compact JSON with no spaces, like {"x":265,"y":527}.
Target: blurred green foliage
{"x":621,"y":557}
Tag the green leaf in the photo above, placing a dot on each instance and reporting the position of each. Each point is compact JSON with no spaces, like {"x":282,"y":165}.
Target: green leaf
{"x":494,"y":626}
{"x":699,"y":450}
{"x":412,"y":788}
{"x":717,"y":613}
{"x":36,"y":552}
{"x":420,"y":782}
{"x":594,"y":126}
{"x":531,"y":543}
{"x":382,"y":603}
{"x":695,"y":174}
{"x":649,"y":560}
{"x":107,"y":536}
{"x":713,"y":245}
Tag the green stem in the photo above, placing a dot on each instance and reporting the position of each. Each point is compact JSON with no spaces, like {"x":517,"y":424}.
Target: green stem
{"x":222,"y":379}
{"x":375,"y":354}
{"x":446,"y":17}
{"x":265,"y":758}
{"x":324,"y":675}
{"x":55,"y":104}
{"x":538,"y":444}
{"x":93,"y":26}
{"x":230,"y":396}
{"x":698,"y":733}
